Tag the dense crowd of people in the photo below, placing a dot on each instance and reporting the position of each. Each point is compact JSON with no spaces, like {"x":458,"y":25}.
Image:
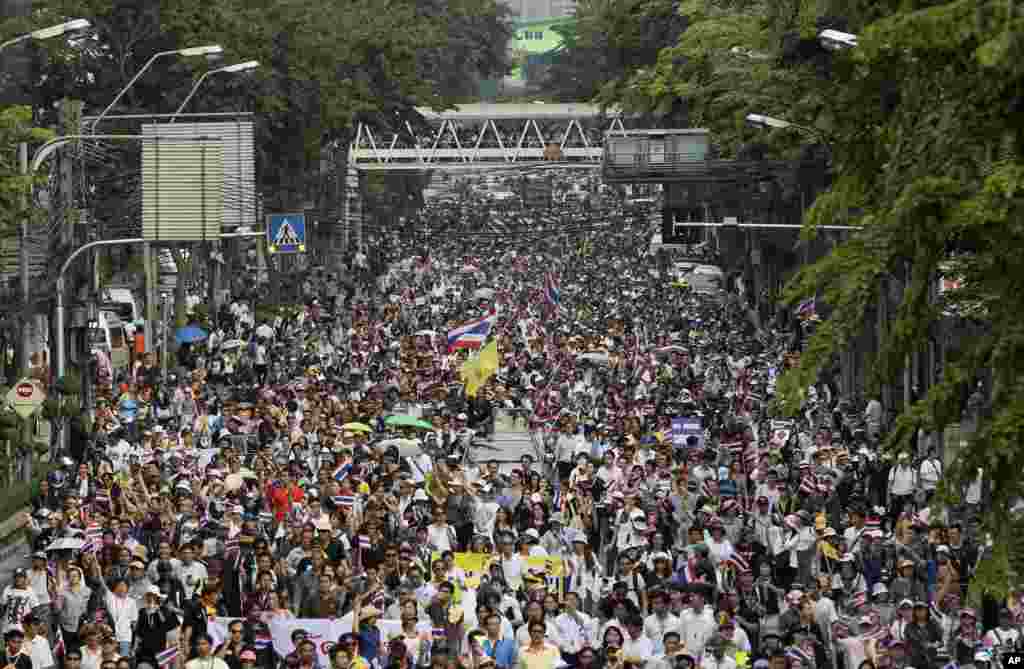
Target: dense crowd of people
{"x":313,"y":487}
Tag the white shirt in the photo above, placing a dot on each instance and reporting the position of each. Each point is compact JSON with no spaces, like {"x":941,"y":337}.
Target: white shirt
{"x":997,"y":637}
{"x":513,"y":569}
{"x":573,"y":635}
{"x":124,"y":611}
{"x":929,"y":473}
{"x":708,"y":661}
{"x":656,"y":628}
{"x":206,"y":663}
{"x":855,"y":653}
{"x":192,"y":577}
{"x":16,"y":605}
{"x":798,"y":542}
{"x":484,"y":517}
{"x":973,"y":495}
{"x":439,"y":537}
{"x":697,"y":629}
{"x":854,"y":539}
{"x":91,"y":660}
{"x":902,"y":480}
{"x":38,"y":582}
{"x":642,"y":647}
{"x":39,"y":651}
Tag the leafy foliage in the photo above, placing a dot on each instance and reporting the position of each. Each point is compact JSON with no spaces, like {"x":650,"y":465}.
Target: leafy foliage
{"x":924,"y":122}
{"x":323,"y":67}
{"x":935,"y":168}
{"x":608,"y":42}
{"x":16,"y":126}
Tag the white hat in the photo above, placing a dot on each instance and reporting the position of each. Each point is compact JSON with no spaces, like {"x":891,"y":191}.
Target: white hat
{"x":532,"y":533}
{"x":154,"y":590}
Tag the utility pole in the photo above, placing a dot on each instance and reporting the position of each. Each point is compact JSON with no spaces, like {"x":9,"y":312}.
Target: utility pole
{"x":164,"y":328}
{"x":23,"y":257}
{"x":147,"y":332}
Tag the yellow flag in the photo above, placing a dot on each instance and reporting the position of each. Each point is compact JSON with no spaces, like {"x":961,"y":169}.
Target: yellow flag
{"x":470,"y":373}
{"x":489,"y":359}
{"x":477,"y":370}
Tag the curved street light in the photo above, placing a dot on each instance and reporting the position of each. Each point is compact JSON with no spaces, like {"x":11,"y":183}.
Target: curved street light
{"x":47,"y":33}
{"x":762,"y":121}
{"x":837,"y":40}
{"x":209,"y":50}
{"x":229,"y":69}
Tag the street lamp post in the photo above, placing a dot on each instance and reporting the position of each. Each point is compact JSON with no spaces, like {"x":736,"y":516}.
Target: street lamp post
{"x":229,"y":69}
{"x":209,"y":50}
{"x":837,"y":40}
{"x":23,"y":259}
{"x":59,"y":311}
{"x":48,"y":33}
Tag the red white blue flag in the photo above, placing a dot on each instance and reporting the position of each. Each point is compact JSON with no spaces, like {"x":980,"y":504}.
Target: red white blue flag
{"x":552,"y":293}
{"x":472,"y":334}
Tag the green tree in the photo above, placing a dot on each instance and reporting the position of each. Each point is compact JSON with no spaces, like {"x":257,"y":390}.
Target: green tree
{"x":16,"y":126}
{"x":923,"y":120}
{"x":932,"y":169}
{"x":607,"y":43}
{"x":324,"y":67}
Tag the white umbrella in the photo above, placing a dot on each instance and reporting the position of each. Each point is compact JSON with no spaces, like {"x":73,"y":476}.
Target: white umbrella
{"x":406,"y":447}
{"x":66,"y":544}
{"x":596,"y":357}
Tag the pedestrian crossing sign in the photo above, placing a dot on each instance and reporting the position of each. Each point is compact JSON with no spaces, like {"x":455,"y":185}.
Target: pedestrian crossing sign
{"x":286,"y":233}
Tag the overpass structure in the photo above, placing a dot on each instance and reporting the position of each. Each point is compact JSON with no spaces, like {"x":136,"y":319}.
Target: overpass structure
{"x":488,"y":136}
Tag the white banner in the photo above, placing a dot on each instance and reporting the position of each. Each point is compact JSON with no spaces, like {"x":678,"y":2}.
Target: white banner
{"x":324,"y":633}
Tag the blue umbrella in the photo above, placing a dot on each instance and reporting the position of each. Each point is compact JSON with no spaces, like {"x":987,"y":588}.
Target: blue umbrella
{"x":190,"y":334}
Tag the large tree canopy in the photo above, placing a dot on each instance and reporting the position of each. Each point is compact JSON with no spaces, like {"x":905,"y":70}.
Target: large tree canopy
{"x":923,"y":121}
{"x":323,"y":66}
{"x":608,"y":42}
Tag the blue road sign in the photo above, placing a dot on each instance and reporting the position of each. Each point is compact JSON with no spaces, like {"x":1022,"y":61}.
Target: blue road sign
{"x":286,"y":233}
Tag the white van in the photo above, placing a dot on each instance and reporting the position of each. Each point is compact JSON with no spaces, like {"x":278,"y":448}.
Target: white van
{"x":121,"y":302}
{"x":112,"y":338}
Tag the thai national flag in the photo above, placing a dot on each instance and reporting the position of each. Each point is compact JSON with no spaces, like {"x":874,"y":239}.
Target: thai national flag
{"x":343,"y":472}
{"x":167,"y":658}
{"x":472,"y":334}
{"x":552,"y":293}
{"x":364,"y":541}
{"x":262,"y":641}
{"x":344,"y":500}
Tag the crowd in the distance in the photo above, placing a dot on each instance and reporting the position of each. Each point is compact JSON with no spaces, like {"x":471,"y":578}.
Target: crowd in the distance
{"x":218,"y":517}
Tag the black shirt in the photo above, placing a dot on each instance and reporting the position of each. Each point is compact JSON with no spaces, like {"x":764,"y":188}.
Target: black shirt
{"x":22,"y":661}
{"x":151,"y":631}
